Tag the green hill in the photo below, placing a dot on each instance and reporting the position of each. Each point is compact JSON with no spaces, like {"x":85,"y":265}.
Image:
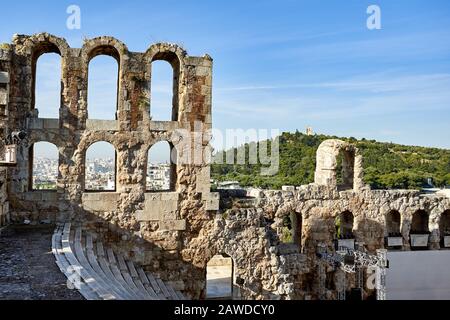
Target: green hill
{"x":386,"y":165}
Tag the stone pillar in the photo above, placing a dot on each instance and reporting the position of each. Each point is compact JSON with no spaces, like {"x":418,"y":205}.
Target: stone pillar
{"x":358,"y":182}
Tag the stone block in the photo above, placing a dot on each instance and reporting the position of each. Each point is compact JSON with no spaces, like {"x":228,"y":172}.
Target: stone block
{"x":142,"y":216}
{"x":203,"y":181}
{"x":163,"y":125}
{"x":36,"y":124}
{"x":50,"y":196}
{"x":101,"y":202}
{"x":169,"y":196}
{"x":159,"y":207}
{"x":395,"y":241}
{"x":33,"y":196}
{"x":102,"y":125}
{"x":50,"y":123}
{"x":288,"y":188}
{"x":153,"y":196}
{"x":172,"y":225}
{"x":212,"y":200}
{"x":419,"y":240}
{"x":94,"y":196}
{"x":447,"y":241}
{"x":4,"y":77}
{"x":203,"y":71}
{"x":3,"y":97}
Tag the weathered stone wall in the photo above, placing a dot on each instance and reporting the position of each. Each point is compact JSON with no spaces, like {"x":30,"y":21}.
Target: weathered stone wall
{"x":154,"y":227}
{"x":318,"y":206}
{"x":174,"y":234}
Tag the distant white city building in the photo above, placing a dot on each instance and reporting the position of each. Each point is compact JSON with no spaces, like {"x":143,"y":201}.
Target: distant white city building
{"x":158,"y":177}
{"x":111,"y":185}
{"x":100,"y":175}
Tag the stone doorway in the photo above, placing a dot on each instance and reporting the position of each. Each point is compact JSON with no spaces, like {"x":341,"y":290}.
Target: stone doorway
{"x":219,"y":277}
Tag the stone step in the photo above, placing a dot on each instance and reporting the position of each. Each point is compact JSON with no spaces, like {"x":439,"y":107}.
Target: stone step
{"x":118,"y":275}
{"x":102,"y":288}
{"x":102,"y":273}
{"x":66,"y":268}
{"x":74,"y":263}
{"x":126,"y":275}
{"x":116,"y":287}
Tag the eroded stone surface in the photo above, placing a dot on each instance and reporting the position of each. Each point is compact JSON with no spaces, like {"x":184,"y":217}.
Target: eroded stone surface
{"x":27,"y":267}
{"x":174,"y":234}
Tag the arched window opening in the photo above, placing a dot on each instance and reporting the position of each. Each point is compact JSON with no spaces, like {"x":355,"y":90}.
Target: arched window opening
{"x":419,"y":233}
{"x":393,"y":221}
{"x":44,"y":157}
{"x":307,"y":280}
{"x":330,"y":280}
{"x":419,"y":224}
{"x":161,"y":167}
{"x":394,"y":238}
{"x":291,"y":231}
{"x":47,"y":85}
{"x":164,"y":91}
{"x":344,"y":225}
{"x":219,"y":277}
{"x":103,"y":84}
{"x":100,"y":169}
{"x":344,"y":230}
{"x":444,"y":228}
{"x":345,"y":170}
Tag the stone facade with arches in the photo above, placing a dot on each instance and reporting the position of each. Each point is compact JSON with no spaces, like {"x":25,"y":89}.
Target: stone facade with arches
{"x":175,"y":233}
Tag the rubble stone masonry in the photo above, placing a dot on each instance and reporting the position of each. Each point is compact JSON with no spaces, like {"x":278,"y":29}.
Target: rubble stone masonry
{"x":174,"y":234}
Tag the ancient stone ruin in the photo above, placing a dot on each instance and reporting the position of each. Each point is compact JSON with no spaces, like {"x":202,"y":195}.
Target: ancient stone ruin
{"x":172,"y":235}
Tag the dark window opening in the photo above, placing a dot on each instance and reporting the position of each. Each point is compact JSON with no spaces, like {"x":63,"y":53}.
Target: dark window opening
{"x":393,"y":221}
{"x":291,"y":231}
{"x":345,"y":170}
{"x":419,"y":224}
{"x":344,"y":225}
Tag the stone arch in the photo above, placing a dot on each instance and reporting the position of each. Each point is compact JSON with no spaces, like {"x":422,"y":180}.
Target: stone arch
{"x":327,"y":165}
{"x":393,"y":223}
{"x":444,"y":224}
{"x":38,"y":45}
{"x":175,"y":56}
{"x":238,"y":247}
{"x":52,"y":182}
{"x":345,"y":225}
{"x":105,"y":186}
{"x":106,"y":46}
{"x":109,"y":46}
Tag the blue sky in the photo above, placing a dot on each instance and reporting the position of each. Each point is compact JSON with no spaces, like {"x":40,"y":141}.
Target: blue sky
{"x":280,"y":64}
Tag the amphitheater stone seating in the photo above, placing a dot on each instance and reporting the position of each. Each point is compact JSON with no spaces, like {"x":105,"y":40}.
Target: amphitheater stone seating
{"x":99,"y":273}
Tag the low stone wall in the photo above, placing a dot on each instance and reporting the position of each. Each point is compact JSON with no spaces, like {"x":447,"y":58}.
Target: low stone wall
{"x":318,"y":208}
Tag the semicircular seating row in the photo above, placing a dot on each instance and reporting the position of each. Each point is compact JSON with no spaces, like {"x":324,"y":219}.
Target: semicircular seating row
{"x":101,"y":274}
